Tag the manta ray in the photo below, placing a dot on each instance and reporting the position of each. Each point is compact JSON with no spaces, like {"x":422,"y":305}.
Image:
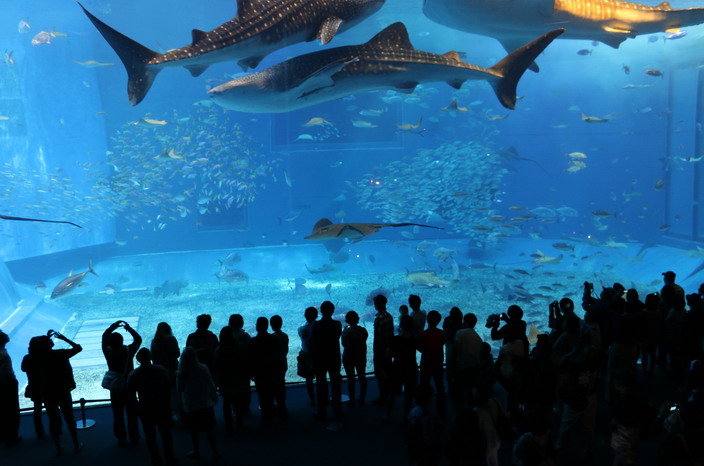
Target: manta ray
{"x":514,"y":22}
{"x":260,"y":28}
{"x":324,"y":229}
{"x":22,"y":219}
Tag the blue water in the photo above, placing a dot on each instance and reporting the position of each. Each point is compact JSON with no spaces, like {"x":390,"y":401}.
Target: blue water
{"x":72,"y":148}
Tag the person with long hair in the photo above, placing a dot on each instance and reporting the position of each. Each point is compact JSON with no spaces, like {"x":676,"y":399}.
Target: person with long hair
{"x":198,"y":396}
{"x":165,"y":353}
{"x":120,"y":360}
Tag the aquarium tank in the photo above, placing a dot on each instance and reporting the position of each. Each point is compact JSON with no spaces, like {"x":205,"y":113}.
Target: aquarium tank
{"x":262,"y":156}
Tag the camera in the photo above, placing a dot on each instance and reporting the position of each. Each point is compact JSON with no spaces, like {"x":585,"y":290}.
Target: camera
{"x":493,"y":320}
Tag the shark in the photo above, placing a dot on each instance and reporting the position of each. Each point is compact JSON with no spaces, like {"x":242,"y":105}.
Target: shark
{"x":387,"y":61}
{"x":259,"y":28}
{"x":71,"y":282}
{"x":324,"y":229}
{"x":513,"y":22}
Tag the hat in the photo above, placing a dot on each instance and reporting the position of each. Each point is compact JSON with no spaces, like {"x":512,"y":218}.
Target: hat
{"x":669,"y":273}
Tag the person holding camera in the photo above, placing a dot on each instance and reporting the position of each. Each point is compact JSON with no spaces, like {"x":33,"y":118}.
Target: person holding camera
{"x":55,"y":376}
{"x":559,"y":314}
{"x":514,"y":327}
{"x":119,"y":358}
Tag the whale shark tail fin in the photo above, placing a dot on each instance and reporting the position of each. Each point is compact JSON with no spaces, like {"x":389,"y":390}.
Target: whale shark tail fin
{"x":512,"y":67}
{"x":133,"y":55}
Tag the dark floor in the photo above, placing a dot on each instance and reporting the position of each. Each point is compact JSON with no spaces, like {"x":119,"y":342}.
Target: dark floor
{"x":363,"y":439}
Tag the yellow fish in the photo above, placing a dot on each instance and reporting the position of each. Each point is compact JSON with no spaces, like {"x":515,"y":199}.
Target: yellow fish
{"x":541,"y":258}
{"x":149,"y":121}
{"x":575,"y":166}
{"x":92,"y":63}
{"x":577,"y":155}
{"x":317,"y":121}
{"x":411,"y":125}
{"x":4,"y":118}
{"x":593,"y":119}
{"x":174,"y":155}
{"x":453,"y":107}
{"x":496,"y":117}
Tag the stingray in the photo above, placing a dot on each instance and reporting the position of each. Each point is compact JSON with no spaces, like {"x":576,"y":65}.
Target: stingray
{"x":22,"y":219}
{"x":324,"y":229}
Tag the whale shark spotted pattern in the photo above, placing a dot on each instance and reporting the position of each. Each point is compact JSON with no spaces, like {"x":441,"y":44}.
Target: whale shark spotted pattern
{"x":387,"y":61}
{"x":260,"y":28}
{"x":514,"y":22}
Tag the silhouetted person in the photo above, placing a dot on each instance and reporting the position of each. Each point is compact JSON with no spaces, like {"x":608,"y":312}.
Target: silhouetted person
{"x":418,"y":315}
{"x":225,"y":371}
{"x":280,"y":382}
{"x":327,"y":361}
{"x":649,"y":336}
{"x":203,"y":341}
{"x":9,"y":399}
{"x":243,"y":394}
{"x":165,"y":352}
{"x":431,"y":343}
{"x":383,"y":332}
{"x":152,"y":385}
{"x":466,"y":360}
{"x":57,"y":383}
{"x":694,"y":328}
{"x":30,"y":366}
{"x":559,"y":313}
{"x":513,"y":329}
{"x":402,"y":311}
{"x":673,"y":335}
{"x":466,"y":445}
{"x":423,"y":435}
{"x":305,"y":356}
{"x":632,"y":415}
{"x":264,"y":364}
{"x":404,"y":368}
{"x":198,"y":396}
{"x":354,"y":356}
{"x":119,"y":358}
{"x":450,"y":326}
{"x":578,"y":394}
{"x":668,"y":278}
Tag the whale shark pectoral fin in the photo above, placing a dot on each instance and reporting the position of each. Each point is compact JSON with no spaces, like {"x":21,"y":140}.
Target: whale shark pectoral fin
{"x":196,"y":70}
{"x":328,"y":29}
{"x":616,"y":36}
{"x":249,"y":62}
{"x":197,"y":35}
{"x":406,"y":87}
{"x":321,"y":78}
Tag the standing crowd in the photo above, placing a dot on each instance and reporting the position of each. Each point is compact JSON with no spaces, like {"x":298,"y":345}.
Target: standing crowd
{"x":459,"y":403}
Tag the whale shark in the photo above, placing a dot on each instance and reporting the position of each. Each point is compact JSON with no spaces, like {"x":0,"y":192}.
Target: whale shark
{"x":513,"y":22}
{"x":387,"y":61}
{"x":260,"y":28}
{"x":324,"y":229}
